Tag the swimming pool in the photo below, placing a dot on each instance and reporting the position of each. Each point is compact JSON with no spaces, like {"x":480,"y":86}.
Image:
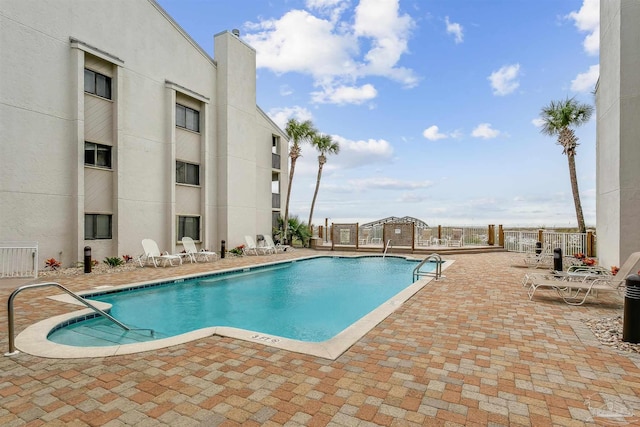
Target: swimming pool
{"x":296,"y":305}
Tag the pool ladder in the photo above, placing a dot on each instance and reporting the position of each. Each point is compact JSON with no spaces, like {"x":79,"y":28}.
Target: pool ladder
{"x":437,"y":273}
{"x":12,"y":344}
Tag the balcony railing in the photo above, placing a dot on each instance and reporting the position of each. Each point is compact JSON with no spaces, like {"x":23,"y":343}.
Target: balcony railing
{"x":275,"y":161}
{"x":275,"y":200}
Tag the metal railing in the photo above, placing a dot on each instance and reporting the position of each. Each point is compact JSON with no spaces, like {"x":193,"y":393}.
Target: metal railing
{"x":18,"y":259}
{"x":12,"y":343}
{"x":437,"y":273}
{"x":525,"y":241}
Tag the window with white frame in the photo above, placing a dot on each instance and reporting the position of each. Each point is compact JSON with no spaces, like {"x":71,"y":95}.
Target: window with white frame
{"x":97,"y":226}
{"x":187,"y":118}
{"x":189,"y":226}
{"x":97,"y":84}
{"x":97,"y":155}
{"x":187,"y":173}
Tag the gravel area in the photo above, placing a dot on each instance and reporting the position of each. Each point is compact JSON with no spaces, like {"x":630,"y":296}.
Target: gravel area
{"x":97,"y":269}
{"x":608,"y":330}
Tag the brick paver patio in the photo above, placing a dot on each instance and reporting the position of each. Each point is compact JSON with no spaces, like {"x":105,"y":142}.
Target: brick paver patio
{"x":469,"y":350}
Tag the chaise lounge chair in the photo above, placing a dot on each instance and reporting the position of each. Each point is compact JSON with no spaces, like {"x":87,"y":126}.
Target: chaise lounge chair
{"x":194,"y":254}
{"x":277,"y":247}
{"x":252,"y":248}
{"x":541,"y":260}
{"x":152,"y":254}
{"x":456,"y":238}
{"x":574,"y":288}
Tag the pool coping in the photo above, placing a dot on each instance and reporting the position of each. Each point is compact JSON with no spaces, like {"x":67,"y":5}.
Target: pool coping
{"x":33,"y":339}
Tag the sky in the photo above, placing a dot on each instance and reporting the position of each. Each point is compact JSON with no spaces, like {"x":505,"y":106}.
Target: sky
{"x":435,"y":103}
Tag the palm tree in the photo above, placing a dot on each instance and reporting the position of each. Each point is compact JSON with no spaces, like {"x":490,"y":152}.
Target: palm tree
{"x":558,"y":119}
{"x":298,"y":132}
{"x":295,"y":230}
{"x":325,"y":145}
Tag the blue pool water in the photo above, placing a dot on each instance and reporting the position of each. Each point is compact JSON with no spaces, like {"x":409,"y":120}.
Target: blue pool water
{"x":310,"y":300}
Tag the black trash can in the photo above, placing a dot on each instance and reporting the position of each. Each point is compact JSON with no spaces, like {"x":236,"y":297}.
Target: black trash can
{"x":631,"y":319}
{"x":557,"y":259}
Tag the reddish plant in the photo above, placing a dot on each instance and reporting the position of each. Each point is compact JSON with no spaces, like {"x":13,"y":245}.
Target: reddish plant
{"x":52,"y":263}
{"x":127,"y":258}
{"x":614,"y":270}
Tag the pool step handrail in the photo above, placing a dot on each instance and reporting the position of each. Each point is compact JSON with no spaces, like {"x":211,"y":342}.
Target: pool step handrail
{"x":386,"y":248}
{"x":12,"y":344}
{"x":437,"y":273}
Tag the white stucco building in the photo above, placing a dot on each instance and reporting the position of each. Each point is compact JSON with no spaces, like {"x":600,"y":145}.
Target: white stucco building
{"x":618,"y":132}
{"x":116,"y":126}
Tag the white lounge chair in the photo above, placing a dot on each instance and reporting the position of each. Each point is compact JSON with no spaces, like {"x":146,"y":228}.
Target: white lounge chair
{"x":193,"y":253}
{"x":574,"y":288}
{"x":456,"y":238}
{"x":541,"y":260}
{"x":251,"y":247}
{"x":277,"y":247}
{"x":152,"y":254}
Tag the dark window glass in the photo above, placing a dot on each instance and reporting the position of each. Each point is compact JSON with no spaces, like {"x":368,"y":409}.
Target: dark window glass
{"x":181,"y":117}
{"x":187,"y":118}
{"x":189,"y":226}
{"x":187,"y":173}
{"x":97,"y":84}
{"x":97,"y":155}
{"x":89,"y":81}
{"x":97,"y":226}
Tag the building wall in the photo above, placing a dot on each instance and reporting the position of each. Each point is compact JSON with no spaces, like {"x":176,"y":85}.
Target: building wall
{"x":618,"y":132}
{"x":45,"y":117}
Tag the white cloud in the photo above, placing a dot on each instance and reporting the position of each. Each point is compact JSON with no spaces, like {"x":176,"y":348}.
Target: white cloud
{"x":345,"y":95}
{"x":455,"y":29}
{"x":363,"y":152}
{"x":388,"y":31}
{"x":433,"y":134}
{"x":537,"y":122}
{"x":329,"y":50}
{"x":411,"y":197}
{"x":585,"y":82}
{"x":281,"y":115}
{"x":353,"y":155}
{"x":301,"y":42}
{"x":484,"y":131}
{"x":332,"y":8}
{"x":285,"y":90}
{"x":504,"y":81}
{"x":587,"y":19}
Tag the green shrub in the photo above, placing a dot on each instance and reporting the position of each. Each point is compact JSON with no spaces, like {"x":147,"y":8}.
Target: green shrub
{"x":113,"y":261}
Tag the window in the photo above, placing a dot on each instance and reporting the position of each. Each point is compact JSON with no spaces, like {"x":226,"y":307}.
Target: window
{"x":97,"y":155}
{"x":97,"y":226}
{"x":189,"y":226}
{"x":97,"y":84}
{"x":187,"y":173}
{"x":187,"y":118}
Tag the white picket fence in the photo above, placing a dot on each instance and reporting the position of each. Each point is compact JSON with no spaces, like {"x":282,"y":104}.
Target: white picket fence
{"x":525,"y":241}
{"x":18,"y":259}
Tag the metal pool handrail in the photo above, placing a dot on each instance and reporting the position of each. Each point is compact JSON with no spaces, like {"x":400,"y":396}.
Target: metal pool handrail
{"x":438,"y":272}
{"x":12,"y":345}
{"x":386,"y":248}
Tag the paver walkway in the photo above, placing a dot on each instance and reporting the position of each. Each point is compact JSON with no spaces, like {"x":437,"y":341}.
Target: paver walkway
{"x":471,"y":350}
